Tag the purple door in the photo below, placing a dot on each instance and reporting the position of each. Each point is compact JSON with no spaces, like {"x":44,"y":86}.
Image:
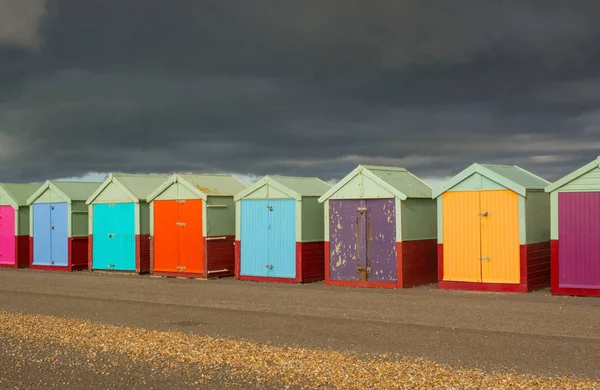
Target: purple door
{"x":362,"y":239}
{"x":579,"y":240}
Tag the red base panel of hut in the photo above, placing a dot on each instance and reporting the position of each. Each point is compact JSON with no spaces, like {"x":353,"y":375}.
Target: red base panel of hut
{"x":555,"y":288}
{"x":219,"y":260}
{"x":534,"y":271}
{"x":77,"y":260}
{"x":142,"y":255}
{"x":416,"y":263}
{"x":22,"y":253}
{"x":309,"y":265}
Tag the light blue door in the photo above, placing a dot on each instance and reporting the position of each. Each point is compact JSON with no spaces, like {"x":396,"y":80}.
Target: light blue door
{"x":59,"y":234}
{"x":42,"y":238}
{"x":114,"y":237}
{"x":282,"y":238}
{"x":268,"y":238}
{"x":254,"y":249}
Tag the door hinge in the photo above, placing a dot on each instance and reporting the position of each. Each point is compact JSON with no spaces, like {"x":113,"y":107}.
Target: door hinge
{"x":181,"y":201}
{"x":269,"y":266}
{"x":270,"y":208}
{"x":485,"y":258}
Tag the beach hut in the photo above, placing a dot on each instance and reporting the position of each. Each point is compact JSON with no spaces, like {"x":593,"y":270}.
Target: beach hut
{"x":279,"y":230}
{"x":380,"y":230}
{"x":193,"y":225}
{"x":493,"y":230}
{"x":14,"y":224}
{"x":58,"y":225}
{"x":575,"y":224}
{"x":120,"y":223}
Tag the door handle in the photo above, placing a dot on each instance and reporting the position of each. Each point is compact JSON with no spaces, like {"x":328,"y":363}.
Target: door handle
{"x":485,"y":258}
{"x":484,"y":214}
{"x":269,"y":266}
{"x":110,"y":235}
{"x":52,"y":226}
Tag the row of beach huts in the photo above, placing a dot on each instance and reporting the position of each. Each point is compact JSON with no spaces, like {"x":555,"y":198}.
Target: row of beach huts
{"x":489,"y":228}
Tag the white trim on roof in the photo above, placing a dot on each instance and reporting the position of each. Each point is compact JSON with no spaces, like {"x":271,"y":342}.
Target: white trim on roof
{"x":366,"y":172}
{"x":573,"y":175}
{"x":48,"y":185}
{"x":263,"y":182}
{"x":477,"y":168}
{"x":174,"y":179}
{"x":112,"y":179}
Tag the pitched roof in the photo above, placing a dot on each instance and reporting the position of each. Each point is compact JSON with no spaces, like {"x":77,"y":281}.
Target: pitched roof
{"x":138,"y":187}
{"x":19,"y":192}
{"x":295,"y":187}
{"x":202,"y":185}
{"x":573,"y":175}
{"x":510,"y":176}
{"x":398,"y":181}
{"x":68,"y":190}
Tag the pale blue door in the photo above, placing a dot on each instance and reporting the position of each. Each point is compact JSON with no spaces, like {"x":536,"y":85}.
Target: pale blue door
{"x":114,"y":237}
{"x":254,"y":249}
{"x":59,"y":234}
{"x":282,"y":238}
{"x":42,"y":238}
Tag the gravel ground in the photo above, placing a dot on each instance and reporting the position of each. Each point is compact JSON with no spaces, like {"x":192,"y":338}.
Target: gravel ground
{"x":47,"y":352}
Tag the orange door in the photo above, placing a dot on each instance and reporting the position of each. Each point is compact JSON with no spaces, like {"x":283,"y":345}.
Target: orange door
{"x":166,"y":241}
{"x":191,"y":245}
{"x":500,"y":258}
{"x":462,"y":235}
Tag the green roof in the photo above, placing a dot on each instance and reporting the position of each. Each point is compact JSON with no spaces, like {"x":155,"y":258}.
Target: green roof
{"x":510,"y":176}
{"x":305,"y":186}
{"x":295,"y":187}
{"x":402,"y":180}
{"x":140,"y":186}
{"x":214,"y":184}
{"x":20,"y":192}
{"x":573,"y":175}
{"x":77,"y":190}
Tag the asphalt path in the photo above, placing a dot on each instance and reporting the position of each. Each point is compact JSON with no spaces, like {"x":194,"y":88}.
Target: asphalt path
{"x":532,"y":333}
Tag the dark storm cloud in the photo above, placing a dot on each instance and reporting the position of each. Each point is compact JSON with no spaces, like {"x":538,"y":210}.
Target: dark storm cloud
{"x":303,"y":88}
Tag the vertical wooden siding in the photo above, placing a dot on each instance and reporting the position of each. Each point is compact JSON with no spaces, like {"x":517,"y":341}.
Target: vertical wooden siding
{"x":579,"y":238}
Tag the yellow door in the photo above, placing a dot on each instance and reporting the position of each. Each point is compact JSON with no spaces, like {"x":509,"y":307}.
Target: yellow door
{"x":461,"y":230}
{"x":500,"y":257}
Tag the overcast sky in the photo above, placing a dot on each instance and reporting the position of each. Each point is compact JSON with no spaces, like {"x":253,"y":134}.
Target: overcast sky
{"x":311,"y":87}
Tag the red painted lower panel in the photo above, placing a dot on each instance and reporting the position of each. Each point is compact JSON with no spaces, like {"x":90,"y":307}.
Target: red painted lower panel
{"x":554,"y":288}
{"x":311,"y":261}
{"x":220,"y":256}
{"x":313,"y":271}
{"x":77,"y":247}
{"x":419,"y":263}
{"x":90,"y":251}
{"x":78,"y":253}
{"x":142,"y":253}
{"x":534,"y":269}
{"x":21,"y":253}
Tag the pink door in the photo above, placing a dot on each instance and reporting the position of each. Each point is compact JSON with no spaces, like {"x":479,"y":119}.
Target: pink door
{"x":7,"y":235}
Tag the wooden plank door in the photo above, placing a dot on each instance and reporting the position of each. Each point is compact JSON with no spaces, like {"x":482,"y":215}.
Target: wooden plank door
{"x":254,"y":235}
{"x":190,"y":238}
{"x":500,"y":250}
{"x":381,"y":240}
{"x":7,"y":235}
{"x":59,"y":234}
{"x":344,"y":225}
{"x":282,"y":238}
{"x":103,"y":228}
{"x":462,"y":236}
{"x":124,"y":245}
{"x":578,"y":237}
{"x":42,"y":239}
{"x":166,"y":236}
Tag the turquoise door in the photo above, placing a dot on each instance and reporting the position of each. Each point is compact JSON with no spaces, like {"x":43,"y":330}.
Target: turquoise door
{"x":114,"y":237}
{"x":268,"y":238}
